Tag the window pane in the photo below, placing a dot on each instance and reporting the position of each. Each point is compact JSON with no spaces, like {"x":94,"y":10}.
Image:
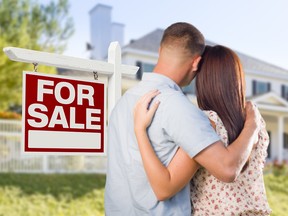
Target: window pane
{"x":269,"y":146}
{"x":285,"y":91}
{"x":261,"y":87}
{"x":148,"y":67}
{"x":285,"y":141}
{"x":143,"y":67}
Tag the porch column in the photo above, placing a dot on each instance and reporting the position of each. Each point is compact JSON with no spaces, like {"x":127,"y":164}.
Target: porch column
{"x":280,"y":138}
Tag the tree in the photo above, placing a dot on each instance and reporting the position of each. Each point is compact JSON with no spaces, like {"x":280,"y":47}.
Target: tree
{"x":31,"y":25}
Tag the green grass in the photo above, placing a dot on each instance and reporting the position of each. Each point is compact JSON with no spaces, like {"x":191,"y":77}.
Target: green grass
{"x":83,"y":194}
{"x":277,"y":193}
{"x":45,"y":195}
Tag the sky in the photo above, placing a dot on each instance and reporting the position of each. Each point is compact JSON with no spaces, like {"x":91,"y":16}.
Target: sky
{"x":258,"y":28}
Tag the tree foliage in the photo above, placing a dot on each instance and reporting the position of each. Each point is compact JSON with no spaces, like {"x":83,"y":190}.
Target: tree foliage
{"x":31,"y":25}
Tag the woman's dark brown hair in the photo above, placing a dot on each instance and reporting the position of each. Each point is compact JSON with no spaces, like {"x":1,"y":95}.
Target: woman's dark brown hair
{"x":220,"y":85}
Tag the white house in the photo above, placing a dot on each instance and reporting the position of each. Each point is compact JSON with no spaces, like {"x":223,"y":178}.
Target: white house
{"x":267,"y":85}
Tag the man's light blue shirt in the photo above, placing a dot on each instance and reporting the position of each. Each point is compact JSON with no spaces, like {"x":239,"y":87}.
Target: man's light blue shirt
{"x":177,"y":123}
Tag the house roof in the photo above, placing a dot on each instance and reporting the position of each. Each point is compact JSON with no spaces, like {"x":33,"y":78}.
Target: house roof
{"x":151,"y":41}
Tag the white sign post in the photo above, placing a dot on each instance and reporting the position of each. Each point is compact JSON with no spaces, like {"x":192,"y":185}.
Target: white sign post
{"x":50,"y":90}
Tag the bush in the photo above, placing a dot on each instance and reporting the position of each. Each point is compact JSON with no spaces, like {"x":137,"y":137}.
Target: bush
{"x":9,"y":115}
{"x":277,"y":168}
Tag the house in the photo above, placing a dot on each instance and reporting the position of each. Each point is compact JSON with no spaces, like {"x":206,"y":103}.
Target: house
{"x":266,"y":84}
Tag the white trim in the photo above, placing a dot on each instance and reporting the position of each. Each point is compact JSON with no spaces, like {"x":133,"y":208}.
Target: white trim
{"x":272,"y":108}
{"x":273,"y":75}
{"x":130,"y":51}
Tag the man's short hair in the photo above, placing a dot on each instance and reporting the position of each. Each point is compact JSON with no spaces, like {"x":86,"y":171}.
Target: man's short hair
{"x":185,"y":35}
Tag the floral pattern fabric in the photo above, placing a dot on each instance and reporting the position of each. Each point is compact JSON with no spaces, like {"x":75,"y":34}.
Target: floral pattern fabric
{"x":245,"y":196}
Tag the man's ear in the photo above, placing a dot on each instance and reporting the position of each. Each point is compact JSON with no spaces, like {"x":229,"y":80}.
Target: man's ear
{"x":195,"y":63}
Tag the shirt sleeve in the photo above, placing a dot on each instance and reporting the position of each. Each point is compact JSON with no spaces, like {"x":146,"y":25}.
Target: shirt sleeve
{"x":187,"y":125}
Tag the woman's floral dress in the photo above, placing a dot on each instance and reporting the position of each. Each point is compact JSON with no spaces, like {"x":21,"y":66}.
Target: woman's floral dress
{"x":244,"y":196}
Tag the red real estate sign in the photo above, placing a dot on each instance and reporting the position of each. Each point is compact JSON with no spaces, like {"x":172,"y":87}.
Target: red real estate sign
{"x":62,"y":114}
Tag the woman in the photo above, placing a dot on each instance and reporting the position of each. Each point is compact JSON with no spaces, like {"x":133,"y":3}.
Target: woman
{"x":220,"y":88}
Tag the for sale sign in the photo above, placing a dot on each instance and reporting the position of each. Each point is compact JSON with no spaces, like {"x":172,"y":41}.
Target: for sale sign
{"x":62,"y":115}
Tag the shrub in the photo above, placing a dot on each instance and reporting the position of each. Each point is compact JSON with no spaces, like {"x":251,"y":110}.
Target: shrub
{"x":9,"y":115}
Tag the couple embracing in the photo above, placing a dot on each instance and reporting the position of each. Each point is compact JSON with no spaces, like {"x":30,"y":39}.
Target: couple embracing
{"x":168,"y":157}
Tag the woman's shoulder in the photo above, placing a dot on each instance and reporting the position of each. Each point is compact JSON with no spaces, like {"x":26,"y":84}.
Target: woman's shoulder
{"x":217,"y":124}
{"x":214,"y":117}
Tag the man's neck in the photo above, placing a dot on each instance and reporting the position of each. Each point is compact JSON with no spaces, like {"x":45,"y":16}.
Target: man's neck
{"x":172,"y":72}
{"x":166,"y":71}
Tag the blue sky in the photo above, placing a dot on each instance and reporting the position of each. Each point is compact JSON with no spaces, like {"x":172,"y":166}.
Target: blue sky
{"x":258,"y":28}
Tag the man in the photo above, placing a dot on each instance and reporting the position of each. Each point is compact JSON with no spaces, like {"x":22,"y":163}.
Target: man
{"x":127,"y":190}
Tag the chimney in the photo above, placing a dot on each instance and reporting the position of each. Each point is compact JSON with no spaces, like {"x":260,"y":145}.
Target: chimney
{"x":103,"y":31}
{"x":117,"y":33}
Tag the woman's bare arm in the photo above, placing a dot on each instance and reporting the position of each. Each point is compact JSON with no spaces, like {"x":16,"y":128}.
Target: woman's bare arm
{"x":226,"y":163}
{"x":165,"y":181}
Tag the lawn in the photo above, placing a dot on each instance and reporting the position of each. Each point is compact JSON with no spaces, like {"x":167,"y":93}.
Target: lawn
{"x":277,"y":192}
{"x":46,"y":195}
{"x":82,"y":194}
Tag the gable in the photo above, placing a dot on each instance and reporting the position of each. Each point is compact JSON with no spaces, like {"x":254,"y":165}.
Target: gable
{"x":271,"y":101}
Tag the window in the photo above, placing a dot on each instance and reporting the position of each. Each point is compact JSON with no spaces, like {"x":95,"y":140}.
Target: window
{"x":285,"y":139}
{"x":143,"y":67}
{"x":284,"y":91}
{"x":269,"y":146}
{"x":260,"y":87}
{"x":191,"y":88}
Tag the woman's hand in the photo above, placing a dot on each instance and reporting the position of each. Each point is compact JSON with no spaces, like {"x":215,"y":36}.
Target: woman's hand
{"x":253,"y":118}
{"x":143,"y":112}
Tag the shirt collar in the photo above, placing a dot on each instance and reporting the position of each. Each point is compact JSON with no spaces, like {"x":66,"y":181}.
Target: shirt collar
{"x":160,"y":78}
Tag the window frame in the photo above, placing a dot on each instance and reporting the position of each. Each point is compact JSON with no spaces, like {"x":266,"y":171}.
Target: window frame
{"x":255,"y":88}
